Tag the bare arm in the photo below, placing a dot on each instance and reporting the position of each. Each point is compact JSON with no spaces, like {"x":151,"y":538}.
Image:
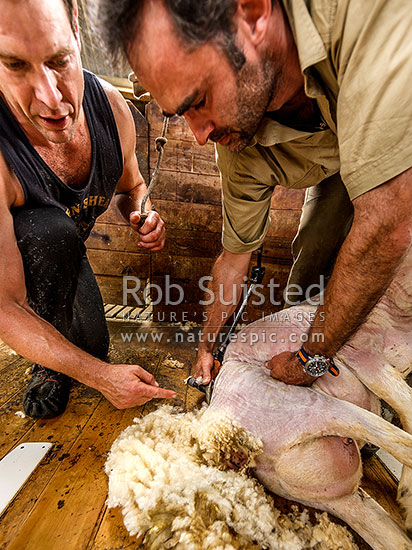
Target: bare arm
{"x":132,"y":187}
{"x":37,"y":340}
{"x":380,"y":236}
{"x":228,"y":274}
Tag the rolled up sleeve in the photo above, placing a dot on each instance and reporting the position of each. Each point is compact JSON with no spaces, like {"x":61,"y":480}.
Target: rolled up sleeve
{"x":245,"y":203}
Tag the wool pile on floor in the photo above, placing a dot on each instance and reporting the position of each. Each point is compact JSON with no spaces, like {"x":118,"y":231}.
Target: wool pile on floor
{"x":167,"y":472}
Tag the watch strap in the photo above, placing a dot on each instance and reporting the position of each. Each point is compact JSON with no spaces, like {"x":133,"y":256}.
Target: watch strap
{"x":302,"y":355}
{"x":333,"y":369}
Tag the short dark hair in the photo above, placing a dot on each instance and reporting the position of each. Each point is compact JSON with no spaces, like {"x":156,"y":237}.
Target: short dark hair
{"x":197,"y":22}
{"x":68,"y":4}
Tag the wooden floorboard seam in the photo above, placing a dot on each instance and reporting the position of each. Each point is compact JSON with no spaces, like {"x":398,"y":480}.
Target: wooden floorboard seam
{"x":96,"y":526}
{"x":14,"y":359}
{"x":4,"y":404}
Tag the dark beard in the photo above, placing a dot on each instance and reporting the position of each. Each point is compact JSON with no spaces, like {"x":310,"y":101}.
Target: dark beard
{"x":256,"y":87}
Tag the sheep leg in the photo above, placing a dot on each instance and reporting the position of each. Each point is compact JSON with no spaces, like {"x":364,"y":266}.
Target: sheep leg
{"x":386,"y":382}
{"x":348,"y":420}
{"x":261,"y":405}
{"x":404,"y":497}
{"x":367,"y":518}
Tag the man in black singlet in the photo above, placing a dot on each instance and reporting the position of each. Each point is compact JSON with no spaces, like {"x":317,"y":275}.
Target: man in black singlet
{"x":67,"y":144}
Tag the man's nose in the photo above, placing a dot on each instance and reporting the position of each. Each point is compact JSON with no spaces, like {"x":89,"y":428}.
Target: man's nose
{"x":200,"y":128}
{"x":46,"y":89}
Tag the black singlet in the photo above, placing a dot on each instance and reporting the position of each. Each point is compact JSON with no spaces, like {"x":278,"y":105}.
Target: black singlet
{"x":42,"y":187}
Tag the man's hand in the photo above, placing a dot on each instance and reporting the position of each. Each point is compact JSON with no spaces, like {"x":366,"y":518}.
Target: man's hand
{"x":204,"y":366}
{"x":228,"y":272}
{"x":152,"y":233}
{"x":287,"y":368}
{"x":130,"y":386}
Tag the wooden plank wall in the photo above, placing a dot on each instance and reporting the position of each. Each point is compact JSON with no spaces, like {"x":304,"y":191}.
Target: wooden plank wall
{"x":189,"y":199}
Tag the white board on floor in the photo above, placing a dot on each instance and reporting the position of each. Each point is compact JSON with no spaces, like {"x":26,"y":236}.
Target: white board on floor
{"x":17,"y":466}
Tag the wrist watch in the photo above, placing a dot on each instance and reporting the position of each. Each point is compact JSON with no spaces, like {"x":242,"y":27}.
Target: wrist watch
{"x":316,"y":365}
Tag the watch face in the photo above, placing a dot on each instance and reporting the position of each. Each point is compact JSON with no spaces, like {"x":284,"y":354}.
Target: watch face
{"x":316,"y":366}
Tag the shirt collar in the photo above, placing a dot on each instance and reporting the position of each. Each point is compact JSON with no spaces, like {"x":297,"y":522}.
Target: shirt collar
{"x":271,"y":132}
{"x":309,"y":43}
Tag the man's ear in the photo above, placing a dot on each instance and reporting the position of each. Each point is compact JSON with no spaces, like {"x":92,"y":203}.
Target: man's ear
{"x":254,"y":17}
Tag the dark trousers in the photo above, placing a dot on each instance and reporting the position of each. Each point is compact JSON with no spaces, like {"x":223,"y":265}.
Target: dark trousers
{"x":326,"y":220}
{"x":61,"y":286}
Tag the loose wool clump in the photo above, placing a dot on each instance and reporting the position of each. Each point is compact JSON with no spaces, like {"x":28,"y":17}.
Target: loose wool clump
{"x":167,"y":472}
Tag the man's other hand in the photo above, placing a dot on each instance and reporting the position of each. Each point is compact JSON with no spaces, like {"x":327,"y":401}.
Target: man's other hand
{"x":204,"y":367}
{"x":130,"y":386}
{"x":152,"y":232}
{"x":287,"y":368}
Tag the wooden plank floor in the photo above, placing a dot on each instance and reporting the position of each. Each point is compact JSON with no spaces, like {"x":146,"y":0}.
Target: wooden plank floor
{"x":63,"y":502}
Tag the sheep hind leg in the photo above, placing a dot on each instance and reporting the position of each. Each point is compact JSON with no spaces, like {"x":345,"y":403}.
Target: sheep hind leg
{"x":404,"y":498}
{"x":369,"y":520}
{"x":349,"y":420}
{"x":388,"y":384}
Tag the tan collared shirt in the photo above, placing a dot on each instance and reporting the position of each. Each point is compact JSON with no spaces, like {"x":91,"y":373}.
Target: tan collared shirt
{"x":356,"y":58}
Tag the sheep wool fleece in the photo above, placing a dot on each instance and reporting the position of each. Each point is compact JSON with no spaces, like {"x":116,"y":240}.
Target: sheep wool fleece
{"x":167,"y":473}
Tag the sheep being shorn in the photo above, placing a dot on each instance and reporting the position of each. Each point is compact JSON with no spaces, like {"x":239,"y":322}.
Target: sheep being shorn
{"x":304,"y":442}
{"x":169,"y":473}
{"x":374,"y":364}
